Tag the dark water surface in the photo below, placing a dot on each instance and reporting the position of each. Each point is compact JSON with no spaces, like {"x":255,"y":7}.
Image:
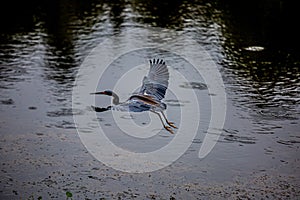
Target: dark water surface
{"x":42,"y":45}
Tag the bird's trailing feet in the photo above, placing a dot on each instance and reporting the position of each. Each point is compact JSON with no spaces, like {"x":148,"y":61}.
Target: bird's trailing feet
{"x":168,"y":128}
{"x":168,"y":122}
{"x":172,"y":124}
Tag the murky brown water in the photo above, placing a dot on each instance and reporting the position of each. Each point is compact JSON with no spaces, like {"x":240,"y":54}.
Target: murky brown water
{"x":42,"y":46}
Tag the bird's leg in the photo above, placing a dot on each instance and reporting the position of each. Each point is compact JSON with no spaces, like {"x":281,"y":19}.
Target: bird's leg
{"x":168,"y":122}
{"x":168,"y":128}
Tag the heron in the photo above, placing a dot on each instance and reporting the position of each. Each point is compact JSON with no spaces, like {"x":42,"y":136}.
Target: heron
{"x":149,"y":97}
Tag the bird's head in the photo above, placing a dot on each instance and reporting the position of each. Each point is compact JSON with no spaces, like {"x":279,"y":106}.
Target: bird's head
{"x":105,"y":92}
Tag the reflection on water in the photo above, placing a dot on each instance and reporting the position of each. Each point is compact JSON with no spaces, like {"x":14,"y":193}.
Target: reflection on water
{"x":42,"y":45}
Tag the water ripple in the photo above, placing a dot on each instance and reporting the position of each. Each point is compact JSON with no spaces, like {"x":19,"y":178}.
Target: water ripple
{"x":235,"y":136}
{"x":194,"y":85}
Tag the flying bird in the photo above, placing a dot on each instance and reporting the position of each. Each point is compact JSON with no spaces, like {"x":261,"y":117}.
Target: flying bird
{"x":149,"y":97}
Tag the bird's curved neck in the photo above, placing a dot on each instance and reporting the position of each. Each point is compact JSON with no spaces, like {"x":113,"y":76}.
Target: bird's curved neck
{"x":116,"y":99}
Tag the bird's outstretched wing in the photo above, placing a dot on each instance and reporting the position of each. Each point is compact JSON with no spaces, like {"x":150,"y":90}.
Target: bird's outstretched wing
{"x":156,"y":82}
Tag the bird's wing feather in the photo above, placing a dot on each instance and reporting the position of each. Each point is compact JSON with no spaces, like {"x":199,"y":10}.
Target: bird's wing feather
{"x":156,"y":82}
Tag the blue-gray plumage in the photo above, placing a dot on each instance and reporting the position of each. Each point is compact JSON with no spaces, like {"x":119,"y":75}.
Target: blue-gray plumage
{"x":149,"y":97}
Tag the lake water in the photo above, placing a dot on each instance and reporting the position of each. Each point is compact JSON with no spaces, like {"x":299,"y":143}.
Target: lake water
{"x":43,"y":46}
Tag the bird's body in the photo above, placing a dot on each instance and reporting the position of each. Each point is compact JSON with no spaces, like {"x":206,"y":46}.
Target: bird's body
{"x":140,"y":103}
{"x":149,"y":97}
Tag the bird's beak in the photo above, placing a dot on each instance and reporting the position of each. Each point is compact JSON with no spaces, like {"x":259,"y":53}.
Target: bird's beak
{"x":97,"y":93}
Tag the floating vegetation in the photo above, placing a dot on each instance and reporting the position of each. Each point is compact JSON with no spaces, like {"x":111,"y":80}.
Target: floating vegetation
{"x":69,"y":194}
